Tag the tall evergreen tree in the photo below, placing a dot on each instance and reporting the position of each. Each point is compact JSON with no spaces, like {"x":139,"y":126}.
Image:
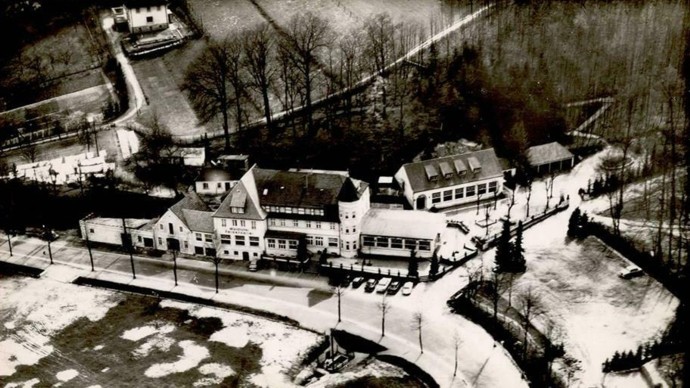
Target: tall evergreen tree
{"x":503,"y":250}
{"x":518,"y":256}
{"x":433,"y":268}
{"x":574,"y":223}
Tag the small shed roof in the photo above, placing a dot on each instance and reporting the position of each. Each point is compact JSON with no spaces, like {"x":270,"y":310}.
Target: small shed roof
{"x":547,"y":153}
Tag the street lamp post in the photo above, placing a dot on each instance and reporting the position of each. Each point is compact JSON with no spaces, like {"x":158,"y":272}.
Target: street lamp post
{"x":88,"y":244}
{"x":174,"y":253}
{"x":128,"y":242}
{"x":48,"y":236}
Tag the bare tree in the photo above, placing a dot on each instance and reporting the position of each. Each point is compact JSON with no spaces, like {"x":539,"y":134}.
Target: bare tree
{"x":380,"y":33}
{"x":307,"y":35}
{"x":29,"y":149}
{"x":418,"y":322}
{"x":384,"y":307}
{"x":350,"y":53}
{"x":530,"y":306}
{"x":456,"y":344}
{"x":213,"y":82}
{"x":259,"y":45}
{"x":511,"y":201}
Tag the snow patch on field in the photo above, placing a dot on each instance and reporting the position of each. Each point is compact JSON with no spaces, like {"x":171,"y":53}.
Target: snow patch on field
{"x":219,"y":371}
{"x":281,"y":345}
{"x":67,"y":375}
{"x":144,"y":331}
{"x":192,"y":355}
{"x":25,"y":384}
{"x":42,"y":308}
{"x":159,"y":342}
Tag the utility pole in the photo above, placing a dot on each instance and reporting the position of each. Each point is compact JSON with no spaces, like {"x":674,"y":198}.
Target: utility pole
{"x":48,"y":236}
{"x":127,"y":242}
{"x":9,"y":240}
{"x":88,"y":244}
{"x":174,"y":252}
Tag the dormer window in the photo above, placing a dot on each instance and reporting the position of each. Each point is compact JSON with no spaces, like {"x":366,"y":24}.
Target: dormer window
{"x":446,"y":170}
{"x":431,"y":173}
{"x":460,"y":167}
{"x":237,"y":210}
{"x":475,"y":166}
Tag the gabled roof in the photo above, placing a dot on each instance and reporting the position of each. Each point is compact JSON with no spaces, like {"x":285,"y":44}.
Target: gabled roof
{"x":241,"y":197}
{"x":418,"y":173}
{"x":144,"y":3}
{"x":199,"y":221}
{"x":547,"y":153}
{"x":189,"y":210}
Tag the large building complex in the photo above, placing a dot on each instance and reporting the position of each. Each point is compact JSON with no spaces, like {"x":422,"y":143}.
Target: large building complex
{"x":289,"y":214}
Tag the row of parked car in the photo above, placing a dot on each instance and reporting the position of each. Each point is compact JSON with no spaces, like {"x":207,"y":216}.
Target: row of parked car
{"x":382,"y":286}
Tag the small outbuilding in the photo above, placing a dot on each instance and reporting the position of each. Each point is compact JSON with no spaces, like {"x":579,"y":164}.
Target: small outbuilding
{"x":550,"y":157}
{"x":390,"y":232}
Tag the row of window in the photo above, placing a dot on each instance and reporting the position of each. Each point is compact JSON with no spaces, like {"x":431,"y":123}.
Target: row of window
{"x":464,"y":192}
{"x":242,"y":223}
{"x":203,"y":237}
{"x":281,"y":244}
{"x":396,"y":243}
{"x":294,"y":210}
{"x":148,"y":9}
{"x":300,"y":223}
{"x":240,"y":240}
{"x":347,"y":215}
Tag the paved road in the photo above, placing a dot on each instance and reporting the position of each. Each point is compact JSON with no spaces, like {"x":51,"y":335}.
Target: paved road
{"x":480,"y":363}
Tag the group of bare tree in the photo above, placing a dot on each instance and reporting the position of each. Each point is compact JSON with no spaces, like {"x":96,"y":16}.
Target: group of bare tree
{"x":295,"y":65}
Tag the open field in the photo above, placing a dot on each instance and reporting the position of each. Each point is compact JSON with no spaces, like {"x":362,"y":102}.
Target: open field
{"x":595,"y":313}
{"x":137,"y":341}
{"x":56,"y":59}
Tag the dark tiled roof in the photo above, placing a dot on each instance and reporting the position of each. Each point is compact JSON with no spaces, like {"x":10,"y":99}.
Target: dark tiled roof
{"x":417,"y":172}
{"x":191,"y":202}
{"x":298,"y":189}
{"x":547,"y":153}
{"x":199,"y":221}
{"x":348,"y":192}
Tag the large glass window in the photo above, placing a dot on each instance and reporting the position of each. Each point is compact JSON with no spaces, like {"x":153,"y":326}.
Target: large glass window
{"x":310,"y":240}
{"x":410,"y":244}
{"x":253,"y":241}
{"x":436,"y":197}
{"x":333,"y":242}
{"x":382,"y":242}
{"x":318,"y":241}
{"x":367,"y":241}
{"x":481,"y":189}
{"x":396,"y":243}
{"x":469,"y":192}
{"x":493,"y":186}
{"x":424,"y":245}
{"x":225,"y":239}
{"x":292,"y":244}
{"x":240,"y":240}
{"x":271,"y":243}
{"x":281,"y":244}
{"x":448,"y":195}
{"x":459,"y":192}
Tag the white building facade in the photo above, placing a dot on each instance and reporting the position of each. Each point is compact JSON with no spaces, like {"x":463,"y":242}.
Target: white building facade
{"x":147,"y":15}
{"x":451,"y":180}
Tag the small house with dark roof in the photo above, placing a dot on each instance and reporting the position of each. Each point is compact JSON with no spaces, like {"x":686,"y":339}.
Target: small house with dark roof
{"x":187,"y":227}
{"x":147,"y":15}
{"x":214,"y":181}
{"x":451,"y":180}
{"x":550,"y":157}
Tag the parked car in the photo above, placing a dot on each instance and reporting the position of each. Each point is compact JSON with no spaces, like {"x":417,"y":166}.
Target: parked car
{"x":356,"y":282}
{"x":394,"y":287}
{"x":346,"y":281}
{"x":630,"y":272}
{"x":253,"y":266}
{"x":383,"y":285}
{"x":370,"y":286}
{"x":407,"y":288}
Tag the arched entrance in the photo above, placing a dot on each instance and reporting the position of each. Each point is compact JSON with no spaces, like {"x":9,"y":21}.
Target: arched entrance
{"x":421,"y":202}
